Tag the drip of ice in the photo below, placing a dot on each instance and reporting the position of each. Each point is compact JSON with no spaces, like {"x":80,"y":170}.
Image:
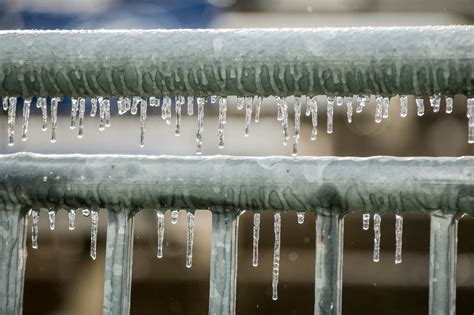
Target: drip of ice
{"x":378,"y":109}
{"x":420,"y":106}
{"x":222,"y":120}
{"x":82,"y":110}
{"x":74,"y":109}
{"x":248,"y":114}
{"x":160,"y":233}
{"x":330,"y":114}
{"x":276,"y":255}
{"x":135,"y":101}
{"x":180,"y":100}
{"x":94,"y":225}
{"x":256,"y":237}
{"x":386,"y":104}
{"x":143,"y":109}
{"x":398,"y":238}
{"x":403,"y":106}
{"x":449,"y":104}
{"x":312,"y":104}
{"x":300,"y":216}
{"x":34,"y":228}
{"x":86,"y":212}
{"x":52,"y":219}
{"x":11,"y":120}
{"x":71,"y":216}
{"x":240,"y":103}
{"x":174,"y":216}
{"x":365,"y":221}
{"x":189,"y":239}
{"x":339,"y":100}
{"x":93,"y":106}
{"x":190,"y":105}
{"x":296,"y":136}
{"x":258,"y":105}
{"x":166,"y":109}
{"x":26,"y":117}
{"x":377,"y":220}
{"x":349,"y":101}
{"x":200,"y":102}
{"x":470,"y":115}
{"x":41,"y":103}
{"x":435,"y":102}
{"x":54,"y":117}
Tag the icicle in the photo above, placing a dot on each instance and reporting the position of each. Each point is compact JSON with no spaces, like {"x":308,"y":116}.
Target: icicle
{"x":365,"y":221}
{"x":5,"y":102}
{"x":107,"y":113}
{"x":71,"y":216}
{"x":386,"y":104}
{"x":282,"y":107}
{"x":300,"y":216}
{"x":52,"y":219}
{"x":256,"y":237}
{"x":11,"y":120}
{"x":362,"y":102}
{"x":276,"y":255}
{"x":166,"y":109}
{"x":449,"y":104}
{"x":93,"y":106}
{"x":349,"y":101}
{"x":86,"y":212}
{"x":26,"y":118}
{"x":435,"y":102}
{"x":190,"y":105}
{"x":339,"y":100}
{"x":213,"y":99}
{"x":377,"y":220}
{"x":179,"y":103}
{"x":82,"y":110}
{"x":470,"y":115}
{"x":240,"y":103}
{"x":420,"y":106}
{"x":189,"y":238}
{"x":378,"y":109}
{"x":248,"y":114}
{"x":74,"y":108}
{"x":41,"y":103}
{"x":120,"y":106}
{"x":143,"y":109}
{"x":398,"y":238}
{"x":54,"y":117}
{"x":330,"y":114}
{"x":258,"y":106}
{"x":160,"y":233}
{"x":135,"y":101}
{"x":403,"y":106}
{"x":313,"y":108}
{"x":34,"y":228}
{"x":222,"y":120}
{"x":200,"y":102}
{"x":102,"y":114}
{"x":94,"y":225}
{"x":296,"y":136}
{"x":174,"y":216}
{"x":153,"y":101}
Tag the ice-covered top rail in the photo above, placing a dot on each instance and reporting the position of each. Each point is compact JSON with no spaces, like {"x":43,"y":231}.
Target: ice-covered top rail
{"x":272,"y":183}
{"x":245,"y":62}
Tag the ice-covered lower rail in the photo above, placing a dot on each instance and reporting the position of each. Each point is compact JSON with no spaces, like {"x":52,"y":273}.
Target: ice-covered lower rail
{"x":329,"y":187}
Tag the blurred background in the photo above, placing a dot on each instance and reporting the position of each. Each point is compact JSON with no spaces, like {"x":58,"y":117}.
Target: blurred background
{"x":62,"y":279}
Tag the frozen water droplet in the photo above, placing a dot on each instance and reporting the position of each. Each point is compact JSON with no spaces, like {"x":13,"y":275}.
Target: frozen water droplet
{"x":34,"y":228}
{"x":94,"y":225}
{"x":160,"y":233}
{"x":222,"y":120}
{"x":11,"y":120}
{"x":435,"y":102}
{"x":256,"y":237}
{"x":313,"y":108}
{"x":26,"y":118}
{"x":420,"y":106}
{"x":248,"y":114}
{"x":386,"y":104}
{"x":52,"y":219}
{"x":377,"y":234}
{"x":403,"y":106}
{"x":240,"y":103}
{"x":258,"y":105}
{"x":200,"y":102}
{"x":449,"y":104}
{"x":180,"y":101}
{"x":86,"y":212}
{"x":190,"y":105}
{"x":398,"y":238}
{"x":276,"y":254}
{"x":365,"y":221}
{"x":54,"y":117}
{"x":82,"y":110}
{"x":378,"y":109}
{"x":470,"y":115}
{"x":71,"y":216}
{"x":330,"y":114}
{"x":74,"y":109}
{"x":300,"y":216}
{"x":93,"y":106}
{"x":296,"y":136}
{"x":174,"y":216}
{"x":349,"y":101}
{"x":189,"y":239}
{"x":143,"y":110}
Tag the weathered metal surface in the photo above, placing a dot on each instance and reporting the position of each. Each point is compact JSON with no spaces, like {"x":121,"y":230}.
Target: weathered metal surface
{"x":331,"y":61}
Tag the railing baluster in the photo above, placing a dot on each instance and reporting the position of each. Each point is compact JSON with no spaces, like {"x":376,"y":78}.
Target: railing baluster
{"x":118,"y":262}
{"x":223,"y":277}
{"x":12,"y":258}
{"x":328,"y":273}
{"x":443,"y":250}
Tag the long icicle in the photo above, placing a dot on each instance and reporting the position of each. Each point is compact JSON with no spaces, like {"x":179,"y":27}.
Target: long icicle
{"x":470,"y":116}
{"x":330,"y":114}
{"x":296,"y":136}
{"x":200,"y":102}
{"x":41,"y":103}
{"x":26,"y":118}
{"x":180,"y":100}
{"x":143,"y":110}
{"x":258,"y":106}
{"x":276,"y":255}
{"x":349,"y":100}
{"x":74,"y":109}
{"x":160,"y":218}
{"x":82,"y":110}
{"x":222,"y":121}
{"x":94,"y":225}
{"x":52,"y":219}
{"x":377,"y":234}
{"x":54,"y":117}
{"x":11,"y":120}
{"x":403,"y":106}
{"x":189,"y":238}
{"x":398,"y":238}
{"x":248,"y":114}
{"x":313,"y":108}
{"x":34,"y":228}
{"x":256,"y":238}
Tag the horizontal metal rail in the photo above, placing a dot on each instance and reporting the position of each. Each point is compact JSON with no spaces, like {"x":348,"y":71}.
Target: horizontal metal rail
{"x":330,"y":61}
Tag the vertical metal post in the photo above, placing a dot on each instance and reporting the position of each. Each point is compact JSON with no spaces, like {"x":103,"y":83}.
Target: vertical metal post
{"x":12,"y":258}
{"x":443,"y":250}
{"x":223,"y":277}
{"x":328,"y":273}
{"x":118,"y":262}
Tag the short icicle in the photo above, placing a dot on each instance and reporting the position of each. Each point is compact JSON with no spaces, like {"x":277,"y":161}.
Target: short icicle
{"x":420,"y":106}
{"x":398,"y":238}
{"x":174,"y":216}
{"x":248,"y":114}
{"x":258,"y":106}
{"x":296,"y":136}
{"x":189,"y":238}
{"x":94,"y":226}
{"x":180,"y":100}
{"x":386,"y":105}
{"x":74,"y":109}
{"x":240,"y":102}
{"x":256,"y":238}
{"x":449,"y":104}
{"x":284,"y":119}
{"x":160,"y":218}
{"x":54,"y":117}
{"x":377,"y":234}
{"x":339,"y":100}
{"x":435,"y":102}
{"x":71,"y":216}
{"x":200,"y":128}
{"x":86,"y":212}
{"x":330,"y":114}
{"x":93,"y":106}
{"x":143,"y":110}
{"x":5,"y":102}
{"x":365,"y":221}
{"x":190,"y":105}
{"x":52,"y":219}
{"x":102,"y":114}
{"x":222,"y":121}
{"x":403,"y":106}
{"x":300,"y":216}
{"x":313,"y":109}
{"x":26,"y":118}
{"x":134,"y":106}
{"x":11,"y":120}
{"x":82,"y":110}
{"x":166,"y":110}
{"x":378,"y":109}
{"x":41,"y":103}
{"x":276,"y":255}
{"x":350,"y":110}
{"x":34,"y":228}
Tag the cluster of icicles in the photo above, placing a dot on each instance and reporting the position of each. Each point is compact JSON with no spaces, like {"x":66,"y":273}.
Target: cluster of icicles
{"x":160,"y":215}
{"x":101,"y":106}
